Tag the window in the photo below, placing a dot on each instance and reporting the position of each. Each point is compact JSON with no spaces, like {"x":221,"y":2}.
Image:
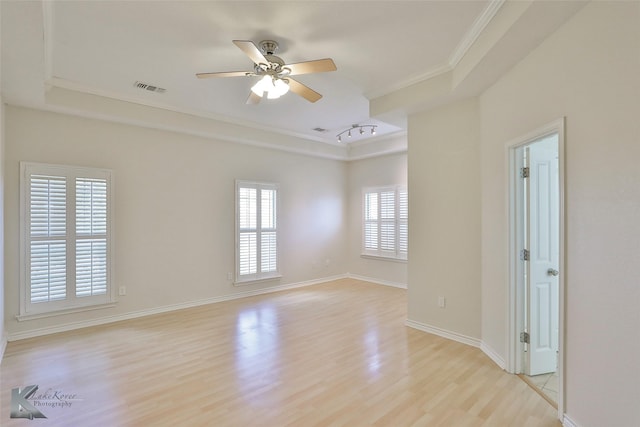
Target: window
{"x":66,"y":243}
{"x":256,"y":231}
{"x":386,"y":222}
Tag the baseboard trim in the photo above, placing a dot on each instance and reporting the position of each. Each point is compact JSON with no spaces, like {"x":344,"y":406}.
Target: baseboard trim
{"x":493,"y":355}
{"x":454,"y":336}
{"x":164,"y":309}
{"x":377,"y":281}
{"x":568,"y":422}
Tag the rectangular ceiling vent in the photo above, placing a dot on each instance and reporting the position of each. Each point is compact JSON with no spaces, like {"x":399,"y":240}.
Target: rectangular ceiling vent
{"x":149,"y":87}
{"x":321,"y":130}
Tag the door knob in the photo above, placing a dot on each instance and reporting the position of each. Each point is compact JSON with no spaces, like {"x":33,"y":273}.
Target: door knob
{"x":552,"y":272}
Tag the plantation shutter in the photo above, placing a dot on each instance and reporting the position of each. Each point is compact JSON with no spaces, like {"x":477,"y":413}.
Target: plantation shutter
{"x":385,"y":222}
{"x":66,"y":238}
{"x":91,"y":237}
{"x":403,"y":223}
{"x":268,"y":240}
{"x":257,"y":233}
{"x":371,"y":221}
{"x":47,"y":230}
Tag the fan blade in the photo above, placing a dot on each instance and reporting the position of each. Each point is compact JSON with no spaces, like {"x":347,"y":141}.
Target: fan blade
{"x":252,"y":51}
{"x":253,"y":98}
{"x":307,"y":67}
{"x":224,"y":74}
{"x":304,"y":91}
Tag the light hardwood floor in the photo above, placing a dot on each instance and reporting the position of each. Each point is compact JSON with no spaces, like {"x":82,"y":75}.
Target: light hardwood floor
{"x":335,"y":354}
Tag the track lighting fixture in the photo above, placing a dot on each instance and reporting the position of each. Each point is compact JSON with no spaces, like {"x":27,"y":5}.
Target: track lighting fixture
{"x":361,"y":129}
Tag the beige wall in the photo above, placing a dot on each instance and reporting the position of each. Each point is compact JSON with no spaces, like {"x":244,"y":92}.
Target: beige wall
{"x":375,"y":172}
{"x":174,"y":209}
{"x":588,"y":72}
{"x":3,"y":333}
{"x":444,"y":218}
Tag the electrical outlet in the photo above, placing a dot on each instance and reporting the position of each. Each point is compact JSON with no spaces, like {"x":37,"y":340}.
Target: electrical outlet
{"x":122,"y":291}
{"x":441,"y":302}
{"x":229,"y":276}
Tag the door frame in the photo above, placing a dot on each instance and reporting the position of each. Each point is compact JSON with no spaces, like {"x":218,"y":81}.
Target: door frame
{"x":515,"y":271}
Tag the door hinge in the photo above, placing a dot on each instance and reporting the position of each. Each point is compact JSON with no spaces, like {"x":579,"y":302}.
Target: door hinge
{"x":524,"y":337}
{"x":524,"y":172}
{"x":524,"y":255}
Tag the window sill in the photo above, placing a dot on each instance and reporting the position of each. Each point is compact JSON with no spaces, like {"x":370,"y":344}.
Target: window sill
{"x":384,"y":258}
{"x":53,"y":313}
{"x":245,"y":282}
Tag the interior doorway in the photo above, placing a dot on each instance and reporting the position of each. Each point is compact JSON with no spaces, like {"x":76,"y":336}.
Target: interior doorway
{"x":537,"y":247}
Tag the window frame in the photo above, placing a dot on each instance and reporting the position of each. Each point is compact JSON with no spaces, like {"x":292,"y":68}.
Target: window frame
{"x":397,"y":254}
{"x":242,"y":279}
{"x":71,"y":302}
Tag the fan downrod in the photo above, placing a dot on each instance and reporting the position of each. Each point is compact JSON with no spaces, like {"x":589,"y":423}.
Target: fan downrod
{"x":269,"y":47}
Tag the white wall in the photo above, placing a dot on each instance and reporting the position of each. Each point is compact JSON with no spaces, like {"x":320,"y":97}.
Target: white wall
{"x":174,"y":209}
{"x":588,"y":71}
{"x":374,"y":172}
{"x":444,"y":219}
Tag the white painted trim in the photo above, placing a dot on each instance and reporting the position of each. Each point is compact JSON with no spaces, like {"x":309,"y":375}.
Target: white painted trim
{"x":493,"y":355}
{"x":377,"y":281}
{"x":456,"y":56}
{"x":433,"y":72}
{"x":514,"y":346}
{"x":568,"y":422}
{"x":453,"y":336}
{"x":164,"y":127}
{"x":164,"y":309}
{"x":86,"y":89}
{"x":377,"y":154}
{"x":474,"y":32}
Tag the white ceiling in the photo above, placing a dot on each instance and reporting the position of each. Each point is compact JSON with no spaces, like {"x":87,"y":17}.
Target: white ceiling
{"x":104,"y":47}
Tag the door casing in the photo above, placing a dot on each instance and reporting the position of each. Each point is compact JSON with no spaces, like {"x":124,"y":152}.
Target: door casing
{"x":515,"y":271}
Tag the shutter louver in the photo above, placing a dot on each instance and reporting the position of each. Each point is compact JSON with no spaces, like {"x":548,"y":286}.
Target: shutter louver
{"x":403,"y":223}
{"x":387,"y":221}
{"x":47,"y":228}
{"x":48,"y":271}
{"x":91,"y":241}
{"x":371,"y":221}
{"x":248,"y":248}
{"x":48,"y":213}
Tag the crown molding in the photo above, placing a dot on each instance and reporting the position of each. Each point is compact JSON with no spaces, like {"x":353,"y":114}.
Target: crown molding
{"x":463,"y":47}
{"x":474,"y":32}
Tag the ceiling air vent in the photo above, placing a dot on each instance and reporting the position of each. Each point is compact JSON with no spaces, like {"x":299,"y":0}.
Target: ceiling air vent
{"x":321,"y":130}
{"x":150,"y":88}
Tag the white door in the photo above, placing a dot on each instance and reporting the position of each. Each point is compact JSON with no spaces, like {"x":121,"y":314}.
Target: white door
{"x":542,"y":228}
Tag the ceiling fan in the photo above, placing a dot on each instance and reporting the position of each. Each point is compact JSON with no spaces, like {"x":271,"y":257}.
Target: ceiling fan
{"x":276,"y":80}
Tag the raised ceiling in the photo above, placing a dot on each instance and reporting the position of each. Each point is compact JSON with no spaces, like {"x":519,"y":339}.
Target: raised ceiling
{"x":105,"y":47}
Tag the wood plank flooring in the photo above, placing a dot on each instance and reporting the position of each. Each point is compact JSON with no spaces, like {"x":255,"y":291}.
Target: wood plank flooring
{"x":335,"y":354}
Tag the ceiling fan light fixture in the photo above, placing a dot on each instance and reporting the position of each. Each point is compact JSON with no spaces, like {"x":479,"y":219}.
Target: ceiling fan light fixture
{"x":274,"y":87}
{"x":279,"y":87}
{"x":262,"y":86}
